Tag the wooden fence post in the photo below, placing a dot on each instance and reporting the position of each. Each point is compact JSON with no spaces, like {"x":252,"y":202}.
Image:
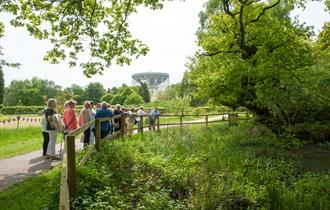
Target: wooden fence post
{"x":158,"y":123}
{"x":72,"y":176}
{"x":122,"y":125}
{"x":206,"y":120}
{"x":141,"y":124}
{"x":18,"y":118}
{"x":97,"y":134}
{"x":233,"y":119}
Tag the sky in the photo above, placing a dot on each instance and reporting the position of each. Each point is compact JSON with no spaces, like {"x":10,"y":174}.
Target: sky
{"x":169,"y":33}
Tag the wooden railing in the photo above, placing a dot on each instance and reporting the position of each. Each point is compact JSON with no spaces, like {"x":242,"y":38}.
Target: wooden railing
{"x":68,"y":186}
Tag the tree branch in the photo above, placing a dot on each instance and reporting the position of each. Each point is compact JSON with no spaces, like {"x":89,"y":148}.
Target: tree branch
{"x":264,"y":10}
{"x":226,"y":9}
{"x":217,"y":52}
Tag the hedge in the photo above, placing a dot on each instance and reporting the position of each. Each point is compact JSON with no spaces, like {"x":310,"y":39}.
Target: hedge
{"x":10,"y":110}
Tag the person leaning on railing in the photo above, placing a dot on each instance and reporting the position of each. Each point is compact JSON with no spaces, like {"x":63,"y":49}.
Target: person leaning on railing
{"x":152,"y":118}
{"x":101,"y":113}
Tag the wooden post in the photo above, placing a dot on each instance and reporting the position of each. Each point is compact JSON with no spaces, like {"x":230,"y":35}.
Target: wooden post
{"x":122,"y":125}
{"x":233,"y":119}
{"x":158,"y":123}
{"x":18,"y":118}
{"x":97,"y":134}
{"x":206,"y":120}
{"x":141,"y":124}
{"x":72,"y":176}
{"x":180,"y":120}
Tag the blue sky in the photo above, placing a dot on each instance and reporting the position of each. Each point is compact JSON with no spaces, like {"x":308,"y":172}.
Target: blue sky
{"x":169,"y":33}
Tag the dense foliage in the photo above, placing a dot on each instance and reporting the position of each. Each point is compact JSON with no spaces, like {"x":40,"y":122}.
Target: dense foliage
{"x":73,"y":27}
{"x":253,"y":55}
{"x":36,"y":92}
{"x":197,"y":168}
{"x":30,"y":92}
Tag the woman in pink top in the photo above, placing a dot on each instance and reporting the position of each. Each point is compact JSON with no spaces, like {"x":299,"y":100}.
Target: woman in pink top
{"x":69,"y":117}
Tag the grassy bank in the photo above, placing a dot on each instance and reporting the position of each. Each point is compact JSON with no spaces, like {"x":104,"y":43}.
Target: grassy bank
{"x":222,"y":168}
{"x":35,"y":193}
{"x":19,"y":141}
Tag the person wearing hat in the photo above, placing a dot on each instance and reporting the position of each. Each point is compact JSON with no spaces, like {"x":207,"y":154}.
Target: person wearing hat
{"x":69,"y":117}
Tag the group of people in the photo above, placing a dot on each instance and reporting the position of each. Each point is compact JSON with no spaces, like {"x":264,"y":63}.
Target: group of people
{"x":52,"y":123}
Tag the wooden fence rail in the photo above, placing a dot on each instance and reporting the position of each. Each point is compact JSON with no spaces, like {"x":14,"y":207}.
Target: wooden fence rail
{"x":68,"y":185}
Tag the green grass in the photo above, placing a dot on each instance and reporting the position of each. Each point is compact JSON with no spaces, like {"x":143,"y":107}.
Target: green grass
{"x":38,"y":192}
{"x":19,"y":141}
{"x":194,"y":168}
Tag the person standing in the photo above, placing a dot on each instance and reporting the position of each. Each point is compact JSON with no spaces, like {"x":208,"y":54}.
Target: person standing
{"x":140,"y":113}
{"x":152,"y":118}
{"x":69,"y":117}
{"x":51,"y":129}
{"x":130,"y":121}
{"x":92,"y":113}
{"x":84,"y":117}
{"x":101,"y":113}
{"x":117,"y":122}
{"x":45,"y":133}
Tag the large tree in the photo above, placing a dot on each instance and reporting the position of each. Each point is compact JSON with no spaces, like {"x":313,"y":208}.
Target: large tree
{"x":76,"y":92}
{"x":31,"y":92}
{"x":253,"y":55}
{"x":94,"y":91}
{"x":97,"y":27}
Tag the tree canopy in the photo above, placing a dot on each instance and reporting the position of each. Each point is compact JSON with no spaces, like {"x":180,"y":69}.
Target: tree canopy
{"x":253,"y":55}
{"x":75,"y":27}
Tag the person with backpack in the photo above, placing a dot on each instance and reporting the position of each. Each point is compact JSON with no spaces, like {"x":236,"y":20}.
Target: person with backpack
{"x":50,"y":112}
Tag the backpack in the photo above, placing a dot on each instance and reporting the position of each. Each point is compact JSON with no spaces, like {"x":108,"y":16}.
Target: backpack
{"x":57,"y":122}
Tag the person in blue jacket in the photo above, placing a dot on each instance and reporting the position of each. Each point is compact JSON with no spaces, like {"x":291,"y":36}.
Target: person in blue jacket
{"x":104,"y":112}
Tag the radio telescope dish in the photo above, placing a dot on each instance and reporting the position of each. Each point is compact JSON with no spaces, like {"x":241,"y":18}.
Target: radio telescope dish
{"x":155,"y":81}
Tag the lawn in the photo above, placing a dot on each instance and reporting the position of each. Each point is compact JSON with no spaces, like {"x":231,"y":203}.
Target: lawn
{"x":38,"y":192}
{"x":19,"y":141}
